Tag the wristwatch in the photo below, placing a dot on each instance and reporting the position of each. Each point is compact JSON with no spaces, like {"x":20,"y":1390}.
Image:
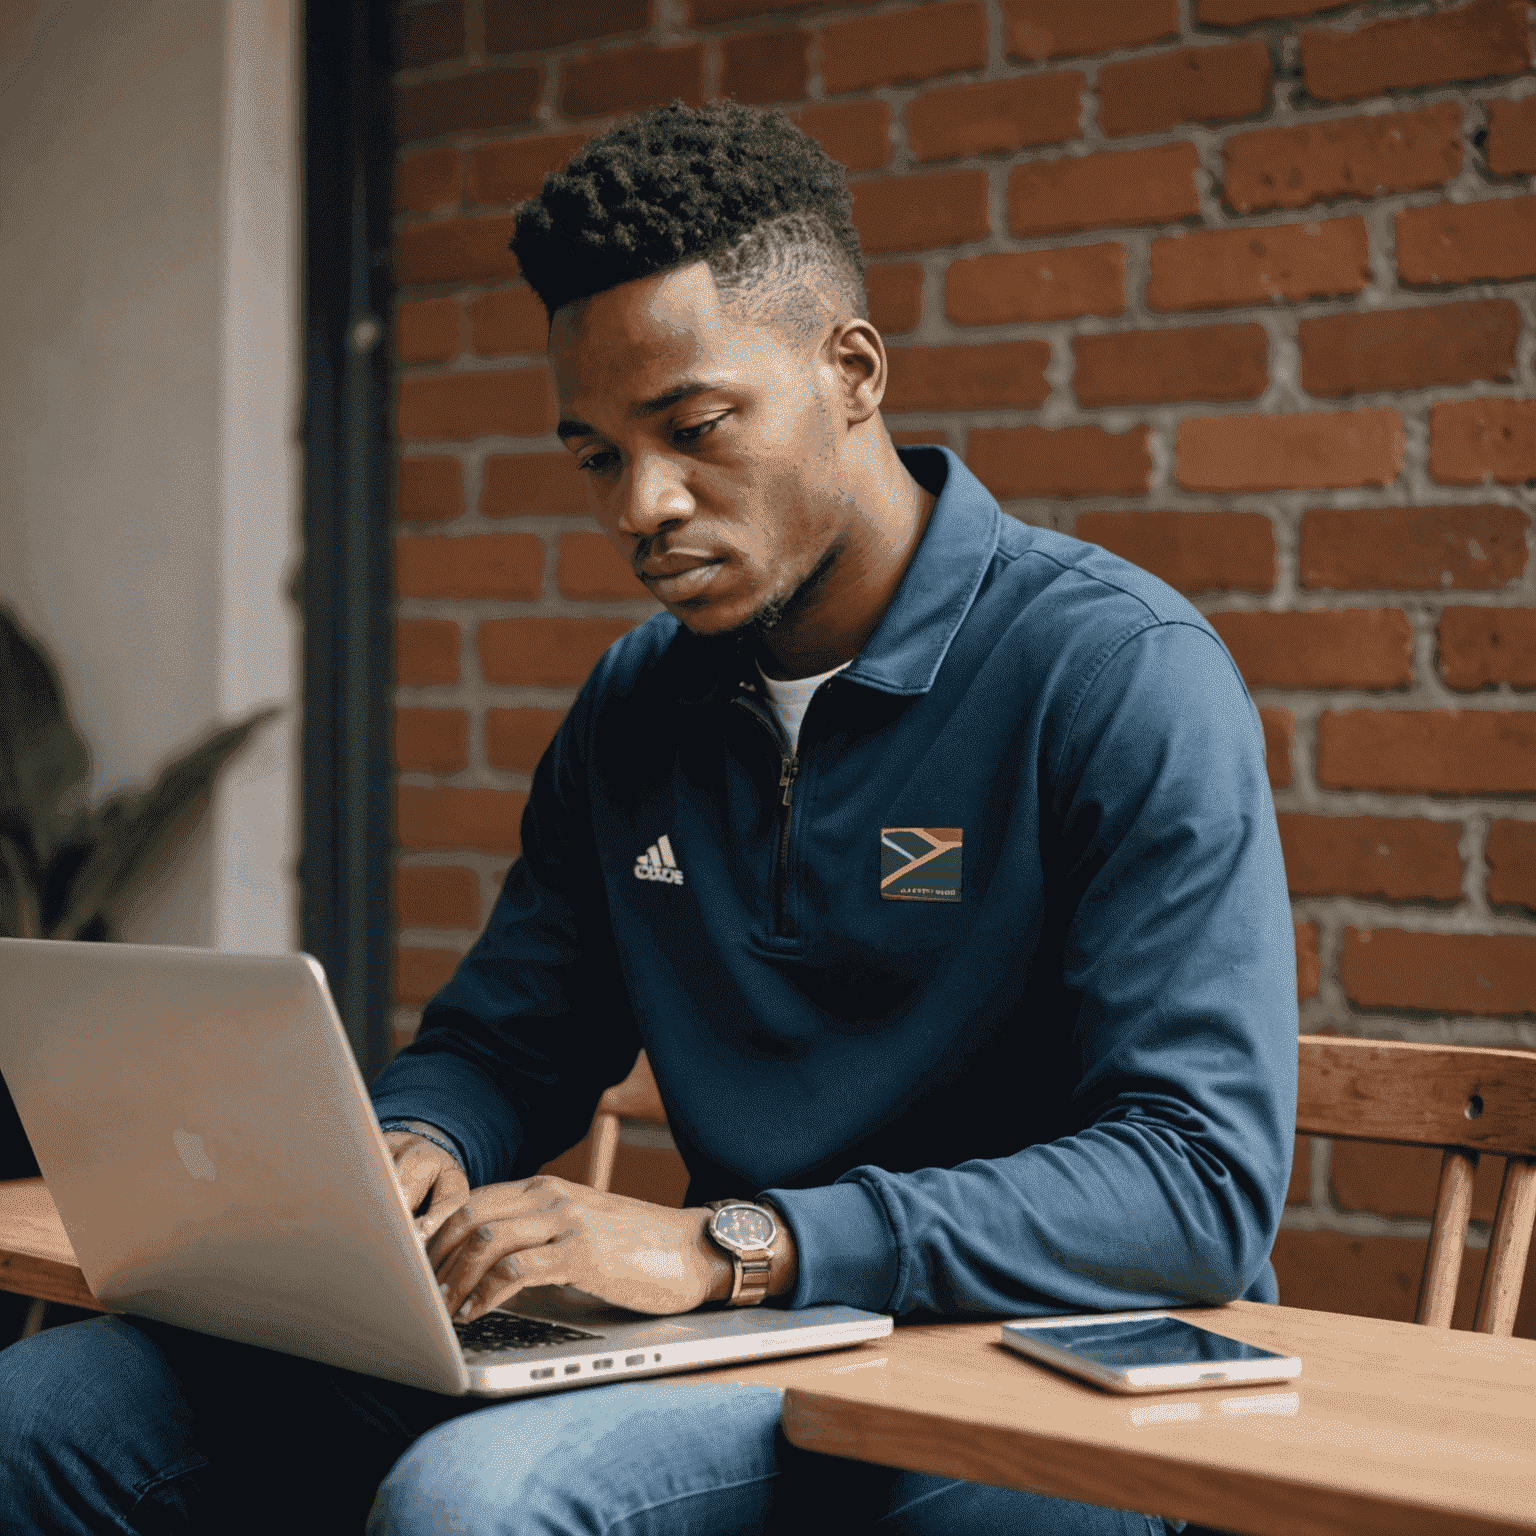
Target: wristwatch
{"x":747,"y":1232}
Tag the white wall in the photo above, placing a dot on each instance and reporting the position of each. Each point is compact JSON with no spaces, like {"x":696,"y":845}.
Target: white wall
{"x":149,"y":471}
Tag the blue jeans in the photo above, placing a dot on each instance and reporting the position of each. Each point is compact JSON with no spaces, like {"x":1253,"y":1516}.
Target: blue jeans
{"x":123,"y":1425}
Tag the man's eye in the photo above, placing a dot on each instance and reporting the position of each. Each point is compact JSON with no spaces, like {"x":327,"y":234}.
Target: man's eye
{"x":598,"y":463}
{"x":699,"y":430}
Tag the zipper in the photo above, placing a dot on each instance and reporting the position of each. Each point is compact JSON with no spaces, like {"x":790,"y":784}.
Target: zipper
{"x":789,"y":771}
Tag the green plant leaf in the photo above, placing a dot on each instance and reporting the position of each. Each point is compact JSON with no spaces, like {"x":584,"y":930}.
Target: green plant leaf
{"x":18,"y":899}
{"x":131,"y":829}
{"x":44,"y":761}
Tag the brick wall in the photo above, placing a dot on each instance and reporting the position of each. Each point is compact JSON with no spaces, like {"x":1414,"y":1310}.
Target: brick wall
{"x":1236,"y":288}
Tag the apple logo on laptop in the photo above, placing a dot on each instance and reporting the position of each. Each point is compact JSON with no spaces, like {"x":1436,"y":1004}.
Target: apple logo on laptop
{"x":193,"y":1154}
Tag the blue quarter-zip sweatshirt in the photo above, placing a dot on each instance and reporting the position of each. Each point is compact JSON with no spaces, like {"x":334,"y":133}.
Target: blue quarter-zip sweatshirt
{"x":1060,"y":1075}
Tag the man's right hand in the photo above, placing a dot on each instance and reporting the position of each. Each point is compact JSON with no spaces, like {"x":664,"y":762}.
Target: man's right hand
{"x":433,"y":1182}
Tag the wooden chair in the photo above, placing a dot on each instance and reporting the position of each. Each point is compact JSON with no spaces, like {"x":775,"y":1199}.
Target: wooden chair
{"x":635,"y":1098}
{"x":1466,"y":1100}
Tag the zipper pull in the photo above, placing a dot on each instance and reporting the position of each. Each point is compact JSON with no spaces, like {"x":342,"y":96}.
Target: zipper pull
{"x":787,"y":777}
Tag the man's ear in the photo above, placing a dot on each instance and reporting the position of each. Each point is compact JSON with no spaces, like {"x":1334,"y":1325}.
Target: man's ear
{"x":858,"y":356}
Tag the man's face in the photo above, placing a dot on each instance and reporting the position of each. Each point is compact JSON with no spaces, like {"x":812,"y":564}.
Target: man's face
{"x":709,"y":445}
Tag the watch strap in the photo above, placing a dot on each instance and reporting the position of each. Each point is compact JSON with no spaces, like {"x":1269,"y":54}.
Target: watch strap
{"x":750,"y":1278}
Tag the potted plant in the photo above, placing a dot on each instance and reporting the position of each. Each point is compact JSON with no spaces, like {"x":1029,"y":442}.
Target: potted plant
{"x":67,"y":868}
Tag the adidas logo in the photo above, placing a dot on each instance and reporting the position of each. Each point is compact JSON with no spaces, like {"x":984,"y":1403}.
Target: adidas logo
{"x":658,"y":863}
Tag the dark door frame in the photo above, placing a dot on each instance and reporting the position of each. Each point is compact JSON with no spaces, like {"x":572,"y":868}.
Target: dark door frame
{"x":347,"y":584}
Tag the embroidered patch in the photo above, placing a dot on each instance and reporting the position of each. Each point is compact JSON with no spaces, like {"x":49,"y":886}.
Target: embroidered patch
{"x":920,"y":863}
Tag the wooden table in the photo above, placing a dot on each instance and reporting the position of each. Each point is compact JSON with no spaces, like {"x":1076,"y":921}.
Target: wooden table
{"x":35,"y":1255}
{"x":1391,"y":1429}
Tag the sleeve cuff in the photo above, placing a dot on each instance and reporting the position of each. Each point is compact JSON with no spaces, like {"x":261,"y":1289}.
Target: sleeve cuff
{"x":845,"y":1248}
{"x":450,"y":1093}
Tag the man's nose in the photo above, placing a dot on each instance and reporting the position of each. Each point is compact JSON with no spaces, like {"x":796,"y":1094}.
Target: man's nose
{"x":653,"y":494}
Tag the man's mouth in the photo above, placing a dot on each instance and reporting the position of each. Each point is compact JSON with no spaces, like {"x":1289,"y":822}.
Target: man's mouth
{"x":676,"y":578}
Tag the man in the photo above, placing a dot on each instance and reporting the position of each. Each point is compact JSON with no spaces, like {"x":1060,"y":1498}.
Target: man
{"x":929,"y":856}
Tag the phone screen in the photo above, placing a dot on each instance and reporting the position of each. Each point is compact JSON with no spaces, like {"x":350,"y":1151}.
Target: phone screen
{"x":1148,"y":1341}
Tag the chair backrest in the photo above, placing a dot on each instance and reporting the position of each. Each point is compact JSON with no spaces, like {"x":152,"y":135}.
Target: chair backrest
{"x":635,"y":1098}
{"x":1464,"y":1099}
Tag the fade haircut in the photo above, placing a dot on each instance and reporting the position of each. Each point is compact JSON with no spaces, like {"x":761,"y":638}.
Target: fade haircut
{"x":738,"y":188}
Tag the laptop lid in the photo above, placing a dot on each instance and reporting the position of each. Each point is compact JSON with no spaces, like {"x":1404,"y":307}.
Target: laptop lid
{"x":203,"y":1129}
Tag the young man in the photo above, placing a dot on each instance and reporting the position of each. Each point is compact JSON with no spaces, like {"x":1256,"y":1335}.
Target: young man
{"x":929,"y":856}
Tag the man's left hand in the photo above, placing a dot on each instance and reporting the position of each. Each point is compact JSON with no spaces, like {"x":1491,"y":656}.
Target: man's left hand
{"x":546,"y":1231}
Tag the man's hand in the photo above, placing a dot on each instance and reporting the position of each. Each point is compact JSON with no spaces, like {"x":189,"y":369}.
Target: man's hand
{"x":545,"y":1231}
{"x":428,"y":1176}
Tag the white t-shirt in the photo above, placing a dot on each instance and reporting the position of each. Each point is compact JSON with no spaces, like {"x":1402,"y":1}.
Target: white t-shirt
{"x":788,"y":698}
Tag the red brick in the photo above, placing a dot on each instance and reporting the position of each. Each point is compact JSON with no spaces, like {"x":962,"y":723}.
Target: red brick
{"x":490,"y":98}
{"x":1481,"y":973}
{"x":1189,"y":85}
{"x":895,"y":293}
{"x":507,"y":566}
{"x":1064,"y":461}
{"x":544,"y":653}
{"x":855,"y":133}
{"x":1279,"y":732}
{"x":523,"y":26}
{"x":1009,"y":374}
{"x":996,"y":116}
{"x":1475,"y":442}
{"x":1219,"y":267}
{"x":1127,"y":186}
{"x":1309,"y":965}
{"x":429,"y":180}
{"x":1488,"y":645}
{"x":937,"y":38}
{"x":1347,"y":648}
{"x":1208,"y":362}
{"x":1238,"y":13}
{"x":1511,"y":851}
{"x":918,"y":436}
{"x":1412,"y":548}
{"x":1512,"y":137}
{"x":1408,"y":348}
{"x":426,"y":652}
{"x":917,"y":213}
{"x":507,"y":321}
{"x":627,"y":79}
{"x":1313,"y":451}
{"x":429,"y":490}
{"x":462,"y":406}
{"x":532,"y":485}
{"x":1036,"y":285}
{"x":1401,"y":858}
{"x":455,"y":251}
{"x":513,"y":169}
{"x":420,"y":974}
{"x":1347,"y":157}
{"x":1048,"y":29}
{"x":765,"y":66}
{"x":436,"y":898}
{"x":1467,"y":242}
{"x":480,"y":820}
{"x":431,"y":740}
{"x":428,"y":34}
{"x":1299,"y":1190}
{"x":1487,"y":37}
{"x":1446,"y":752}
{"x":427,"y":331}
{"x":1402,"y":1181}
{"x":705,"y":13}
{"x":1193,"y":551}
{"x":590,"y":569}
{"x":515,"y":739}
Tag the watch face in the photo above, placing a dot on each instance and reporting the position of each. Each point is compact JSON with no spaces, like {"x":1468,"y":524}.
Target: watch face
{"x":743,"y":1227}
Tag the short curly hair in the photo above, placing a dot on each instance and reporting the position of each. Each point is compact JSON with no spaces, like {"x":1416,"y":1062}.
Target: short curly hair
{"x":740,"y":188}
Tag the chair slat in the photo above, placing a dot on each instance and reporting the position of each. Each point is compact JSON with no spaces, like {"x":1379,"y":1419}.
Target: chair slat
{"x":1499,"y":1297}
{"x":1447,"y":1239}
{"x":1420,"y":1095}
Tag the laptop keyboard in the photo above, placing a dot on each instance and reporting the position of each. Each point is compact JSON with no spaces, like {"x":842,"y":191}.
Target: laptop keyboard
{"x":506,"y":1330}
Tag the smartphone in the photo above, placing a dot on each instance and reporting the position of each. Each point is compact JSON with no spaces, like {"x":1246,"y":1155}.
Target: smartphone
{"x":1145,"y":1352}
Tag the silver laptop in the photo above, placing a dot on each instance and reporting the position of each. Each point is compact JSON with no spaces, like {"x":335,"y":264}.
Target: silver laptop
{"x":204,"y":1132}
